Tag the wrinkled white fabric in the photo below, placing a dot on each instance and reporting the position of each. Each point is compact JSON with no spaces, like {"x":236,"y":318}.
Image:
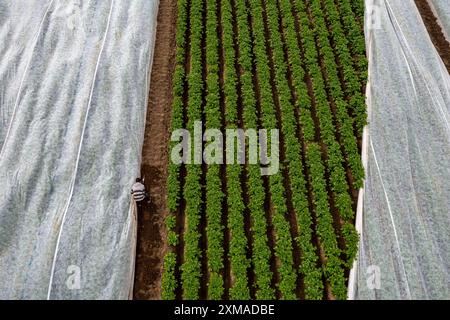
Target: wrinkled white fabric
{"x":405,"y":216}
{"x":74,"y":78}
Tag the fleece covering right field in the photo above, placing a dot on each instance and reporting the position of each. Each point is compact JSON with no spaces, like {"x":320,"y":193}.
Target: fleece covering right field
{"x":405,"y":233}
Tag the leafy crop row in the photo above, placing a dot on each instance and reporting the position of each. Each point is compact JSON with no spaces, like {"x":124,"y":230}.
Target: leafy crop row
{"x":345,"y":128}
{"x":214,"y":194}
{"x":356,"y":7}
{"x":308,"y":268}
{"x":354,"y":33}
{"x":333,"y":266}
{"x":192,"y":192}
{"x":344,"y":121}
{"x":238,"y":245}
{"x":168,"y":281}
{"x":334,"y":157}
{"x":261,"y":251}
{"x":283,"y":247}
{"x":351,"y":80}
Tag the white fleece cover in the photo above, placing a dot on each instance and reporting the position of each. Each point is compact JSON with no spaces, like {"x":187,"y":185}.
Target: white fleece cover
{"x":404,"y":216}
{"x":74,"y":79}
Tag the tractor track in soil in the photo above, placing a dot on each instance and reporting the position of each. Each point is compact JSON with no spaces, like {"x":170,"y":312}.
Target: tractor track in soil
{"x":152,"y":234}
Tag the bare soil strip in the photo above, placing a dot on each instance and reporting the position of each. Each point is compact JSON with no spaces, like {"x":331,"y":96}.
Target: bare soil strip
{"x":435,"y":31}
{"x":152,"y":234}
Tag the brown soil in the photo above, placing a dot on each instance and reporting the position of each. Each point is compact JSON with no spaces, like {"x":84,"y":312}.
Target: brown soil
{"x":435,"y":31}
{"x":151,"y":245}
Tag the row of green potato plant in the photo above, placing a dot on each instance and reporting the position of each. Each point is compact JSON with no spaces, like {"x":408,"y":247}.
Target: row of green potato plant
{"x":192,"y":190}
{"x":312,"y":275}
{"x":351,"y":80}
{"x":214,"y":194}
{"x":333,"y":266}
{"x":261,"y":253}
{"x":343,"y":119}
{"x":283,"y":246}
{"x":355,"y":8}
{"x":355,"y":35}
{"x":293,"y":145}
{"x":358,"y":8}
{"x":239,"y":263}
{"x":168,"y":280}
{"x":333,"y":83}
{"x":343,"y":200}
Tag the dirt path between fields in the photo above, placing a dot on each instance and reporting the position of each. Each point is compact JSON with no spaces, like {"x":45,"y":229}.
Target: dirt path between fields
{"x":152,"y":245}
{"x":435,"y":31}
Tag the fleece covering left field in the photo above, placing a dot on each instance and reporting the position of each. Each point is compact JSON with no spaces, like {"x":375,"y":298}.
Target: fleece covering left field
{"x":74,"y":79}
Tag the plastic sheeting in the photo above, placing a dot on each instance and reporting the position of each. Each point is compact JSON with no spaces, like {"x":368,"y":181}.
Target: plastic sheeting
{"x":405,"y":217}
{"x":74,"y":79}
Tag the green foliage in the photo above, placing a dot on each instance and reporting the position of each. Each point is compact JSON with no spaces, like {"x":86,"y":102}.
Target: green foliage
{"x":351,"y":241}
{"x":169,"y":284}
{"x":353,"y":89}
{"x":308,"y":268}
{"x":333,"y":268}
{"x":355,"y":35}
{"x":318,"y":143}
{"x":178,"y":83}
{"x":171,"y":222}
{"x":214,"y":194}
{"x":215,"y":286}
{"x":261,"y":251}
{"x":351,"y":82}
{"x":168,"y":281}
{"x":172,"y":238}
{"x":283,"y":246}
{"x":192,"y":191}
{"x":314,"y":33}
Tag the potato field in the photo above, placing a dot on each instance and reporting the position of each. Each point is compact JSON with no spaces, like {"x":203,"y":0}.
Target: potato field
{"x":294,"y":65}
